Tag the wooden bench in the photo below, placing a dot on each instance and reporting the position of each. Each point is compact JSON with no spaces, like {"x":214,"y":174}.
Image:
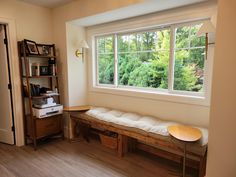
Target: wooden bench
{"x":129,"y":139}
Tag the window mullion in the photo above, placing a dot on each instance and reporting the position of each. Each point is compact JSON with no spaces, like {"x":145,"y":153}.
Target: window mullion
{"x":115,"y":48}
{"x":172,"y":60}
{"x":96,"y":62}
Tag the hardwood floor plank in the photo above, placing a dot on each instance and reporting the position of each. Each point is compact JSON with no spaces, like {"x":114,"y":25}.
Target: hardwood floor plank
{"x":80,"y":159}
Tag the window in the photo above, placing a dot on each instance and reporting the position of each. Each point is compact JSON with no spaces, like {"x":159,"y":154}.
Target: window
{"x":189,"y":59}
{"x":170,"y":58}
{"x":105,"y":56}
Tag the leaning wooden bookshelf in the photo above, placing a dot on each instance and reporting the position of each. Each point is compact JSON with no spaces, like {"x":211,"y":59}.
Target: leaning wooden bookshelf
{"x":41,"y":98}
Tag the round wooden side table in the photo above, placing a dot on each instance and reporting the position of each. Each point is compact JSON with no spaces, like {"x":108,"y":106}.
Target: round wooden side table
{"x":70,"y":110}
{"x":185,"y":134}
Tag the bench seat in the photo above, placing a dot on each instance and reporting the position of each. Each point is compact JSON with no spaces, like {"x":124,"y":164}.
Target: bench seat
{"x":145,"y":125}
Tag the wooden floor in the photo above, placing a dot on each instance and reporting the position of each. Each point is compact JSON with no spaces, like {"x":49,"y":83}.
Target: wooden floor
{"x":81,"y":159}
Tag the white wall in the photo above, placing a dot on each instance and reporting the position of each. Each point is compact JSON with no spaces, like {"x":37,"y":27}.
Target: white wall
{"x":186,"y":113}
{"x":77,"y":72}
{"x":186,"y":110}
{"x":62,"y":15}
{"x":32,"y":22}
{"x":222,"y":143}
{"x":24,"y":21}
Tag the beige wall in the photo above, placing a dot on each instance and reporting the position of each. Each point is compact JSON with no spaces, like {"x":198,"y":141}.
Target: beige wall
{"x":76,"y":66}
{"x":32,"y":22}
{"x":24,"y":21}
{"x":185,"y":113}
{"x":61,"y":15}
{"x":222,"y":143}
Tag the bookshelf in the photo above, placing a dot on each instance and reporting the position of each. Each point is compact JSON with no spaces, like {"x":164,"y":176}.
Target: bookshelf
{"x":39,"y":82}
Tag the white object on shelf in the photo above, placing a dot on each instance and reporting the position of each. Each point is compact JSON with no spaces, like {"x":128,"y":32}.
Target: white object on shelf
{"x":45,"y":105}
{"x":56,"y":90}
{"x":47,"y":112}
{"x":30,"y":69}
{"x":50,"y":100}
{"x":49,"y":94}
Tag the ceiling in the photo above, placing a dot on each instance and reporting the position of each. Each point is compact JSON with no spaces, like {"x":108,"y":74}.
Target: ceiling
{"x":48,"y":3}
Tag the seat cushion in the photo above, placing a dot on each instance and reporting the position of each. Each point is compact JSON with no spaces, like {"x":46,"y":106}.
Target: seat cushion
{"x":145,"y":125}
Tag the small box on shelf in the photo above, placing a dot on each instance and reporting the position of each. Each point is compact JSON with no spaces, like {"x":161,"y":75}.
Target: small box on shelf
{"x":44,"y":70}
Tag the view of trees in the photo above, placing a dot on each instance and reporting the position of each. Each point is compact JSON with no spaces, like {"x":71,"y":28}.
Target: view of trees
{"x":143,"y":59}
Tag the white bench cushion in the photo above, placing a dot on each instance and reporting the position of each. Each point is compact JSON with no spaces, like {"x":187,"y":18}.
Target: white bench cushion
{"x":153,"y":126}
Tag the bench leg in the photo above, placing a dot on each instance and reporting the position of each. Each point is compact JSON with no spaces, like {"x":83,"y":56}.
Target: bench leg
{"x":122,"y":145}
{"x":84,"y":130}
{"x":202,"y":166}
{"x":132,"y":143}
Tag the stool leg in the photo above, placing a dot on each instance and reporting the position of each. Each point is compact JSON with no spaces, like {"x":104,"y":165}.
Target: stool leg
{"x":68,"y":127}
{"x":184,"y":160}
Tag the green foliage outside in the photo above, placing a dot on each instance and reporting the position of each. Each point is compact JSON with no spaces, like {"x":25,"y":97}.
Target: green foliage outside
{"x":143,"y":59}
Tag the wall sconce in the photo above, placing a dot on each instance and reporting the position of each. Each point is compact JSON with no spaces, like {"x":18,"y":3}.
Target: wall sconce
{"x":206,"y":28}
{"x":83,"y":45}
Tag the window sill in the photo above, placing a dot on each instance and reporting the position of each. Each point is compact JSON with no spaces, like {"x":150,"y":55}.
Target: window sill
{"x":153,"y":95}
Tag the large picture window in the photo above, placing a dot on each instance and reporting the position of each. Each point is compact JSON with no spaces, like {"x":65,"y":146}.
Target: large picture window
{"x":170,"y":59}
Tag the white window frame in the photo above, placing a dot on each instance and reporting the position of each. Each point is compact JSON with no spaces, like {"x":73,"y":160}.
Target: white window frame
{"x":170,"y":91}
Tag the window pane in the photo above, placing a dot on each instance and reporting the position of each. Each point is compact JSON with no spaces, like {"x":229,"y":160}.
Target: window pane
{"x":105,"y":58}
{"x":147,"y":40}
{"x":196,"y":41}
{"x":128,"y":43}
{"x":101,"y":45}
{"x":144,"y":59}
{"x":189,"y":70}
{"x":187,"y":37}
{"x":127,"y":64}
{"x":109,"y":44}
{"x":182,"y":37}
{"x":189,"y":59}
{"x":153,"y":73}
{"x":163,"y":40}
{"x":105,"y":44}
{"x":106,"y":68}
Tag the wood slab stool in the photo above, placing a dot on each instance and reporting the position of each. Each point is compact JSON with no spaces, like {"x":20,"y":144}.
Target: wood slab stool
{"x":185,"y":134}
{"x":75,"y":109}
